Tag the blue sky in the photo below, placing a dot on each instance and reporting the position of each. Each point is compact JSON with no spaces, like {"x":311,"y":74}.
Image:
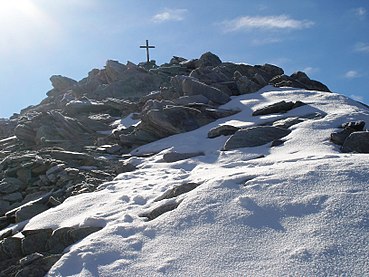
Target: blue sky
{"x":329,"y":39}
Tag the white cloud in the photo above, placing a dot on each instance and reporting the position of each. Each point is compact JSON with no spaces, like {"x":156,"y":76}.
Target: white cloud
{"x":265,"y":22}
{"x":351,"y":74}
{"x":310,"y":70}
{"x":170,"y":15}
{"x":361,"y":12}
{"x":357,"y":97}
{"x":264,"y":41}
{"x":362,"y":47}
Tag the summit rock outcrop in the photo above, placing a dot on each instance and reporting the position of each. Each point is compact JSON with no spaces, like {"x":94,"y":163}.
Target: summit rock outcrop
{"x":83,"y":133}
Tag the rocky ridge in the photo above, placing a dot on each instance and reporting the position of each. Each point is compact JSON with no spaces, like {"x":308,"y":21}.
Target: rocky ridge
{"x":74,"y":140}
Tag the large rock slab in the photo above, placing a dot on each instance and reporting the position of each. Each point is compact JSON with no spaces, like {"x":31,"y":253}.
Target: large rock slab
{"x":279,"y":107}
{"x":35,"y":241}
{"x":191,"y":86}
{"x":176,"y":119}
{"x":298,"y":80}
{"x":171,"y":157}
{"x":357,"y":142}
{"x":254,"y":136}
{"x":61,"y":83}
{"x":114,"y":71}
{"x":348,"y":128}
{"x":29,"y":211}
{"x":208,"y":59}
{"x":222,"y":130}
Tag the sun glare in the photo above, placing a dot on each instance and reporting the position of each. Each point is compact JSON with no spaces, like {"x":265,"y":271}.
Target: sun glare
{"x":24,"y":25}
{"x":17,"y":8}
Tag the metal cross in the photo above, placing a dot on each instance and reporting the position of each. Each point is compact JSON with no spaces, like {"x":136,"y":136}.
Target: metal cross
{"x":147,"y":46}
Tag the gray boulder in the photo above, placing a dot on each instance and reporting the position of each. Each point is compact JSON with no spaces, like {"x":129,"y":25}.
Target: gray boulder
{"x":30,"y":210}
{"x":208,"y":59}
{"x":357,"y":142}
{"x":246,"y":85}
{"x":177,"y":190}
{"x":35,"y":241}
{"x":348,"y":128}
{"x":254,"y":136}
{"x":190,"y":86}
{"x":63,"y":237}
{"x":279,"y":107}
{"x":174,"y":120}
{"x":223,"y":130}
{"x":11,"y":247}
{"x":287,"y":122}
{"x":62,"y":83}
{"x":114,"y":71}
{"x":340,"y":137}
{"x":160,"y":210}
{"x":171,"y":157}
{"x":298,"y":80}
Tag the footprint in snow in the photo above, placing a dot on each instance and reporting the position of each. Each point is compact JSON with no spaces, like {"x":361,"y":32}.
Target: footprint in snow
{"x":139,"y":200}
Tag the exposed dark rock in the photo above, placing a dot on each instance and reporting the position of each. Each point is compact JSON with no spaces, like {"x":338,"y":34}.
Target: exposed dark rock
{"x":161,"y":209}
{"x":246,"y":84}
{"x":279,"y":107}
{"x":29,"y":211}
{"x":36,"y":266}
{"x":208,"y":59}
{"x":340,"y":137}
{"x":160,"y":119}
{"x":7,"y":128}
{"x":63,"y":237}
{"x":190,"y":86}
{"x":37,"y":252}
{"x":35,"y":241}
{"x":5,"y":221}
{"x":10,"y":185}
{"x":354,"y":125}
{"x":61,"y":83}
{"x":287,"y":122}
{"x":357,"y":142}
{"x":277,"y":142}
{"x":11,"y":247}
{"x":223,"y":130}
{"x":254,"y":136}
{"x":171,"y":157}
{"x":348,"y":128}
{"x":178,"y":190}
{"x":53,"y":128}
{"x":30,"y":258}
{"x":298,"y":80}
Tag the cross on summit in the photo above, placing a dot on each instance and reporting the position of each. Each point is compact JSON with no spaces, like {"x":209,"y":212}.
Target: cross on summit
{"x":147,"y":46}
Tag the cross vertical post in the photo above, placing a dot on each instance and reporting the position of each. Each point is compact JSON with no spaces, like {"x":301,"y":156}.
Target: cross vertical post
{"x":147,"y":46}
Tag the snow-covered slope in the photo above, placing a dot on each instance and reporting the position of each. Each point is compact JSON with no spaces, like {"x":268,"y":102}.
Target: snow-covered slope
{"x":298,"y":209}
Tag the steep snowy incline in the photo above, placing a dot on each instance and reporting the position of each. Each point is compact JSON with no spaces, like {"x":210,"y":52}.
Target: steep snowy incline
{"x":297,"y":209}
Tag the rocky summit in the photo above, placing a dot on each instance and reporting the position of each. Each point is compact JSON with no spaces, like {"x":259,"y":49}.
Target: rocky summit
{"x":87,"y":132}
